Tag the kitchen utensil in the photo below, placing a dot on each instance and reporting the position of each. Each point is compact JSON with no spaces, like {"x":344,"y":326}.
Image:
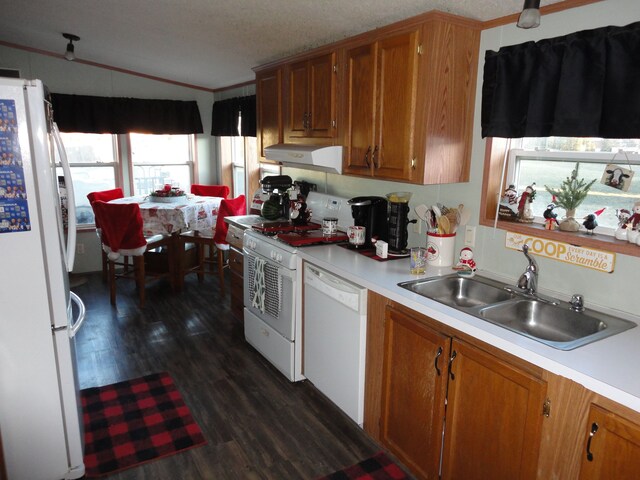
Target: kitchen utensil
{"x":422,"y":212}
{"x":437,"y":211}
{"x":465,"y":215}
{"x":443,"y":225}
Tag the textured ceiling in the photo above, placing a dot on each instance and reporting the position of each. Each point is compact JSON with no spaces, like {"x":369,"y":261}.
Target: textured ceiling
{"x":211,"y":43}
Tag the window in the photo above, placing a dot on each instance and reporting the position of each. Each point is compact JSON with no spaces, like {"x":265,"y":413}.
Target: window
{"x":160,"y":159}
{"x":93,"y":160}
{"x":548,"y":161}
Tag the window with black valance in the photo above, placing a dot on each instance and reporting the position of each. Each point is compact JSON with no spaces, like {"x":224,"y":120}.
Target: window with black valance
{"x":586,"y":84}
{"x":226,"y":113}
{"x":117,"y":115}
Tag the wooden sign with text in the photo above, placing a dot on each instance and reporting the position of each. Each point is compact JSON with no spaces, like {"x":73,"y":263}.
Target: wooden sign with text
{"x":584,"y":257}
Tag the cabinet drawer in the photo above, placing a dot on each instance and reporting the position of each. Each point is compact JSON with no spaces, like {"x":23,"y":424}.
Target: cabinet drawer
{"x":234,"y":236}
{"x":236,"y":261}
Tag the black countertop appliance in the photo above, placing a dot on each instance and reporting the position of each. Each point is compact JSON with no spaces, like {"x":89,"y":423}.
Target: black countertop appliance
{"x":277,"y":206}
{"x":370,"y":213}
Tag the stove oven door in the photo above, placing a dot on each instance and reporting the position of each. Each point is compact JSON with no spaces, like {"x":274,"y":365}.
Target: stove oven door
{"x":269,"y":293}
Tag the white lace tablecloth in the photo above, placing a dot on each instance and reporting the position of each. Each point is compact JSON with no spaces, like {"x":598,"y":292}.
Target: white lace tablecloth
{"x":194,"y":213}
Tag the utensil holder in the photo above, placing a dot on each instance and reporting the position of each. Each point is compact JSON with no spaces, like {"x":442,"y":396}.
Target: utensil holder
{"x":440,"y":249}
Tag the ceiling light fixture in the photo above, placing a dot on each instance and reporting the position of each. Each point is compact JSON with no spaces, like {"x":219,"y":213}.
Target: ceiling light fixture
{"x":70,"y":52}
{"x":530,"y":16}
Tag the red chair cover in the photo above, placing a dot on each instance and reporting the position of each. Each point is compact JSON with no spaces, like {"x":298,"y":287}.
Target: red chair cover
{"x":121,"y":227}
{"x":228,"y":208}
{"x":104,"y":196}
{"x":211,"y":190}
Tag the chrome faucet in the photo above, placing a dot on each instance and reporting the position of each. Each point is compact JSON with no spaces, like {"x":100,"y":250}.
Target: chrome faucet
{"x":528,"y":281}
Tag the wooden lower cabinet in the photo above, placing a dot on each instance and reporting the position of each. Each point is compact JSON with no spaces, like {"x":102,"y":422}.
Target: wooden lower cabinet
{"x":493,"y":419}
{"x":450,"y":406}
{"x":611,"y":447}
{"x":413,"y":392}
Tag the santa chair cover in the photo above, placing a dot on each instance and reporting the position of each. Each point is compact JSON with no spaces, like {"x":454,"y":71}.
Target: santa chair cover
{"x":210,"y":190}
{"x":104,"y":196}
{"x":228,"y":208}
{"x":121,"y":228}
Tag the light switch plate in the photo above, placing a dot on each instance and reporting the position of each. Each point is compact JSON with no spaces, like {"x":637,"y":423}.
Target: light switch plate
{"x":470,"y":236}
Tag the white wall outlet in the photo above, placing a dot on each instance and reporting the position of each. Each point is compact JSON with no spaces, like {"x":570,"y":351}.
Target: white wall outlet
{"x":469,"y":236}
{"x":417,"y":227}
{"x":80,"y":248}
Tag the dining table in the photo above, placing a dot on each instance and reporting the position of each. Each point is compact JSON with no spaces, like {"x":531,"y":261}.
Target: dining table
{"x":173,"y":216}
{"x":170,"y":217}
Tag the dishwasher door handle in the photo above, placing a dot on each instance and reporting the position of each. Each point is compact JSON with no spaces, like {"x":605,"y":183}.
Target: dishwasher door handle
{"x":333,"y":287}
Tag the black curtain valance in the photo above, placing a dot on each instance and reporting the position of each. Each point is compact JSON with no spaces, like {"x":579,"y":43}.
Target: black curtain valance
{"x":225,"y":115}
{"x":586,"y":84}
{"x":89,"y":114}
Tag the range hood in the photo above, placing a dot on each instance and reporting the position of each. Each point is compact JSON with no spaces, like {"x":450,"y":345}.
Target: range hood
{"x":309,"y":157}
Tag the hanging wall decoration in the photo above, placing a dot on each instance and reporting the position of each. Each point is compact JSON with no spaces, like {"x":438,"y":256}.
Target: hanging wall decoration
{"x":617,"y":177}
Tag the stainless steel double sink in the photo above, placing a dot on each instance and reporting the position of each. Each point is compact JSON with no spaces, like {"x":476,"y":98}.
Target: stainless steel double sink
{"x":553,"y":323}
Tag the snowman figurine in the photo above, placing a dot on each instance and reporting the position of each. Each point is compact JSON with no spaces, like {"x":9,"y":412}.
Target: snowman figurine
{"x":466,"y":265}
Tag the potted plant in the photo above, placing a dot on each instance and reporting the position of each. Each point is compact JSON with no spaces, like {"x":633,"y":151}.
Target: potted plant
{"x":569,"y":196}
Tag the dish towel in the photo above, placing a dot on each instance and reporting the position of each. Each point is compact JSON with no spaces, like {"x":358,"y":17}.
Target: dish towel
{"x":259,"y":285}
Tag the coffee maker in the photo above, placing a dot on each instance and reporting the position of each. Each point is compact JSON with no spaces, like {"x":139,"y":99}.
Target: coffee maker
{"x":370,"y":213}
{"x":398,"y":221}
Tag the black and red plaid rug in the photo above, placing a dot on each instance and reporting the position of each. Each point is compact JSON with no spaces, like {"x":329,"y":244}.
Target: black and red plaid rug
{"x":134,"y":422}
{"x":378,"y":467}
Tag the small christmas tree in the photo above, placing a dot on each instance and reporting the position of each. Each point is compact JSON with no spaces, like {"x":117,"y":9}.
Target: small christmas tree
{"x":569,"y":196}
{"x":572,"y":192}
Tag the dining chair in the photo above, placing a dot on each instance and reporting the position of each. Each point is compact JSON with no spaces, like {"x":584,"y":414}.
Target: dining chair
{"x":105,"y":196}
{"x":215,"y":240}
{"x":122,"y":235}
{"x":210,"y":190}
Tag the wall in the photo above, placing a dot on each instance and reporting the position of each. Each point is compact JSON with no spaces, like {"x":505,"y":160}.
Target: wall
{"x":615,"y":290}
{"x":62,"y":76}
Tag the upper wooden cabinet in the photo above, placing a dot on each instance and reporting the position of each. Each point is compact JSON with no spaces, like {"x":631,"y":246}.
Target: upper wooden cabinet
{"x":380,"y":107}
{"x":269,"y":108}
{"x":399,"y":99}
{"x":311,"y":98}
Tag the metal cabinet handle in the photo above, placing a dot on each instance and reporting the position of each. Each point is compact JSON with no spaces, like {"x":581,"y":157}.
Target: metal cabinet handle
{"x":453,"y":357}
{"x":374,"y":157}
{"x":366,"y":156}
{"x":435,"y":363}
{"x":594,"y":429}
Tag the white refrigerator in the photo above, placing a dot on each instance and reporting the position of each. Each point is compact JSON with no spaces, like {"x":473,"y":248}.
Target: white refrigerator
{"x":40,"y":412}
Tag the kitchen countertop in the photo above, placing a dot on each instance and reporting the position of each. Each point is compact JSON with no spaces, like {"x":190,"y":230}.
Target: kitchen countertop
{"x":608,"y":367}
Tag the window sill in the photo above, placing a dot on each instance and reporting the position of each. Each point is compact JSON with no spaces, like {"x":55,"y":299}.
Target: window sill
{"x":579,"y":239}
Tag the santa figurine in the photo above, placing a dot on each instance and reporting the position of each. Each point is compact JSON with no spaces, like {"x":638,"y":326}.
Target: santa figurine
{"x":634,"y":219}
{"x":525,"y":213}
{"x":466,"y":265}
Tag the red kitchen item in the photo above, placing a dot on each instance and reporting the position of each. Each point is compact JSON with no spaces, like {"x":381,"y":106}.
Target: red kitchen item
{"x":301,"y":239}
{"x":284,"y":227}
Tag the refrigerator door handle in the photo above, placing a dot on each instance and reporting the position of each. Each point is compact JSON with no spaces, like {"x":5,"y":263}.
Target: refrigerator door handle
{"x":71,"y":201}
{"x":82,"y":314}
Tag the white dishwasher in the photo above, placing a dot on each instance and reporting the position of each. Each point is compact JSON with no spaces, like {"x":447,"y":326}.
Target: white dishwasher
{"x":335,"y":324}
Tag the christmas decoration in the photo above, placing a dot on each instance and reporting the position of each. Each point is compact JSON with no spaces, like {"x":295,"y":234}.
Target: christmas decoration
{"x":591,"y":220}
{"x":569,"y":196}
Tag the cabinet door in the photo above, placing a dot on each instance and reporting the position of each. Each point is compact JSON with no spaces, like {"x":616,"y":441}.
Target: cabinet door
{"x":297,"y":120}
{"x":269,"y":101}
{"x":413,"y":392}
{"x":397,"y":64}
{"x":321,"y":112}
{"x":361,"y":109}
{"x":611,"y":447}
{"x":494,"y":418}
{"x":237,"y":282}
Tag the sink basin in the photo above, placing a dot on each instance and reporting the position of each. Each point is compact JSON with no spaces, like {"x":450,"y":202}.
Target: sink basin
{"x":458,"y":291}
{"x":555,"y":325}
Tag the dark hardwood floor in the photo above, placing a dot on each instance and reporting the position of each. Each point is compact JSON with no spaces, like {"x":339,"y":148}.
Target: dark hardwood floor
{"x":258,"y":425}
